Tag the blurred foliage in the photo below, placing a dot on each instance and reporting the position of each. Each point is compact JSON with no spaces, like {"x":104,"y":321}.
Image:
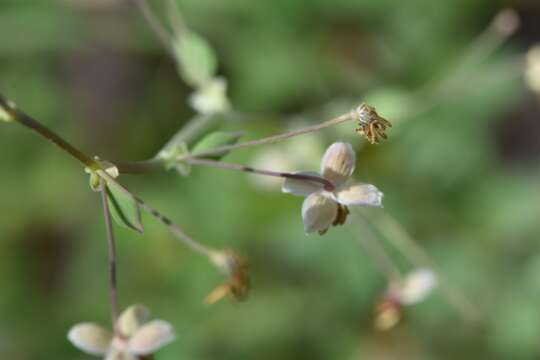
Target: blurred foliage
{"x":456,"y":174}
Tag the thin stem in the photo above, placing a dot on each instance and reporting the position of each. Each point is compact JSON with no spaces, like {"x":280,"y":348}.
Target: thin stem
{"x":27,"y":121}
{"x":177,"y":231}
{"x":154,"y":23}
{"x":230,"y":166}
{"x":268,"y":140}
{"x":175,"y":17}
{"x":173,"y":228}
{"x":400,"y":238}
{"x":112,"y":257}
{"x":377,"y":253}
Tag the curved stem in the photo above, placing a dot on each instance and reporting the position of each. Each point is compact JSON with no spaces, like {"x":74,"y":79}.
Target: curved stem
{"x":112,"y":257}
{"x":268,"y":140}
{"x":328,"y":186}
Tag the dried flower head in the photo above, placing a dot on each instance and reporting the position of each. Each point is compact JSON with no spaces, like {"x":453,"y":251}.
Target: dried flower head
{"x":237,"y":270}
{"x":325,"y":207}
{"x":134,"y":338}
{"x":413,"y":289}
{"x":370,"y":123}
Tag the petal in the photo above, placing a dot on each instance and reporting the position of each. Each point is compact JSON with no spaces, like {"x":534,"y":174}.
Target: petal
{"x":115,"y":354}
{"x":417,"y":286}
{"x":132,"y":318}
{"x":301,"y":187}
{"x":318,"y":212}
{"x":151,"y":337}
{"x":90,"y":338}
{"x":338,"y":162}
{"x":360,"y":194}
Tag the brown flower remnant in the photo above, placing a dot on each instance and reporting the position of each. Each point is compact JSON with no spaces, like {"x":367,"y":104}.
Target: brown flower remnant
{"x":413,"y":289}
{"x":238,"y":284}
{"x":370,"y":123}
{"x":388,"y":313}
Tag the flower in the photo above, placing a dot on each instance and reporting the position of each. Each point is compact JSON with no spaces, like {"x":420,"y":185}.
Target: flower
{"x":133,"y":339}
{"x":324,"y":207}
{"x":371,"y":124}
{"x":236,"y":268}
{"x":532,"y":70}
{"x":415,"y":288}
{"x":211,"y":97}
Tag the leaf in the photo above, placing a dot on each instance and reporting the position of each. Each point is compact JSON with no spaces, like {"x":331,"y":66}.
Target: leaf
{"x":124,"y":207}
{"x":169,"y":155}
{"x":215,"y":140}
{"x":196,"y":60}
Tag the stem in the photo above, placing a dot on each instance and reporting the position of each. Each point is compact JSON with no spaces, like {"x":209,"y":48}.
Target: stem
{"x":154,"y":24}
{"x":328,"y":186}
{"x":177,"y":231}
{"x":173,"y":228}
{"x":400,"y":238}
{"x":112,"y":257}
{"x":379,"y":255}
{"x":196,"y":128}
{"x":27,"y":121}
{"x":268,"y":140}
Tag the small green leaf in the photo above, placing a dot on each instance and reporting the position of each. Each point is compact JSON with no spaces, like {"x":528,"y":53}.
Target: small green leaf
{"x":170,"y":154}
{"x":124,"y":207}
{"x":214,"y":140}
{"x":196,"y":60}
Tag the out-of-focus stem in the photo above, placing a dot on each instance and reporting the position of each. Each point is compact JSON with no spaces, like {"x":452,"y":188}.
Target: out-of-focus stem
{"x":400,"y":238}
{"x":376,"y":251}
{"x":154,"y":23}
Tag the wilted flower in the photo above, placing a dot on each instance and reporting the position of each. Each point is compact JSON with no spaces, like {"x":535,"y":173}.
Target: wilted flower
{"x":134,"y":338}
{"x":236,"y":268}
{"x":371,"y":124}
{"x":415,"y":288}
{"x":325,"y":207}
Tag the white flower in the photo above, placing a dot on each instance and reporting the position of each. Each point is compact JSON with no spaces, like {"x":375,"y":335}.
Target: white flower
{"x":211,"y":98}
{"x":532,"y":71}
{"x":135,"y":338}
{"x":324,"y":207}
{"x":415,"y":288}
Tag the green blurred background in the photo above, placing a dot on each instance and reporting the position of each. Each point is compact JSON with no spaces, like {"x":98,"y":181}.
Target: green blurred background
{"x":460,"y":172}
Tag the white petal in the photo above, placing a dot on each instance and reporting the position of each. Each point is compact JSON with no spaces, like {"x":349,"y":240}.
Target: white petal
{"x":150,"y":337}
{"x":417,"y":286}
{"x":115,"y":354}
{"x":318,"y":212}
{"x":301,"y":187}
{"x":360,"y":194}
{"x":90,"y":338}
{"x":338,"y":163}
{"x":132,"y":318}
